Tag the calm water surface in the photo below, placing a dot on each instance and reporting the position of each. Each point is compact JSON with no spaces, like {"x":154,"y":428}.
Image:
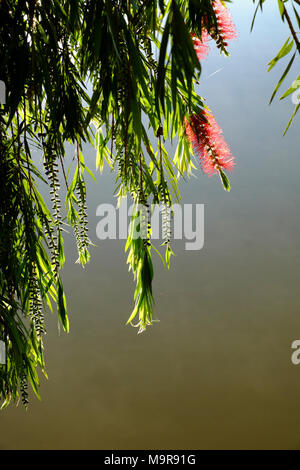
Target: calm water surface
{"x":216,"y":371}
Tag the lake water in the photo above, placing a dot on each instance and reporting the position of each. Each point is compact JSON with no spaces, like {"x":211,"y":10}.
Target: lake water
{"x":216,"y":371}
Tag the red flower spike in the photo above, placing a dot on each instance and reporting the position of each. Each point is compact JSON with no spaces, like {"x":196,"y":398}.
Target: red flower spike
{"x":226,"y":32}
{"x":227,"y":29}
{"x":201,"y":45}
{"x":208,"y":143}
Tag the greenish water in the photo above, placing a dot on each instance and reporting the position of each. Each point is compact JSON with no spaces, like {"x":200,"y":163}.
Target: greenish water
{"x":216,"y":371}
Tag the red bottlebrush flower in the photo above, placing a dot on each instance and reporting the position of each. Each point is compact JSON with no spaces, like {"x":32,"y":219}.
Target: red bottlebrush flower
{"x":227,"y":29}
{"x":201,"y":45}
{"x":226,"y":32}
{"x":206,"y":137}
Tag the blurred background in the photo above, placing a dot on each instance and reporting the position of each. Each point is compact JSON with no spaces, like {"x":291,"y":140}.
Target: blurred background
{"x":216,"y":372}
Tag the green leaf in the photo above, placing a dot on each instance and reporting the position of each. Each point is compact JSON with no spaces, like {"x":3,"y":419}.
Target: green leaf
{"x":62,"y":307}
{"x":161,"y":72}
{"x":283,"y":77}
{"x":292,"y":118}
{"x":292,"y":89}
{"x":225,"y":180}
{"x":281,"y":8}
{"x":286,"y":49}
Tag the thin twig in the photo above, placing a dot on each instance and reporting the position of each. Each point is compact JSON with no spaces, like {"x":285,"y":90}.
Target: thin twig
{"x":26,"y":153}
{"x":63,"y":169}
{"x":294,"y":34}
{"x":78,"y":159}
{"x":112,"y":133}
{"x":141,"y":174}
